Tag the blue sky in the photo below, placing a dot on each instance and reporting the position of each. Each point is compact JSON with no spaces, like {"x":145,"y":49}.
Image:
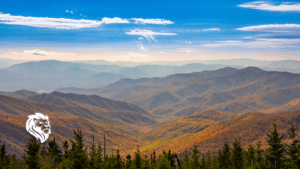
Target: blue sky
{"x":149,"y":30}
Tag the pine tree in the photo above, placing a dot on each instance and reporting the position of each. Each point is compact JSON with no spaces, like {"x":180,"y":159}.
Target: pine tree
{"x":118,"y":160}
{"x":163,"y":163}
{"x":224,"y":157}
{"x":209,"y":161}
{"x":171,"y":159}
{"x":138,"y":159}
{"x":250,"y":155}
{"x":99,"y":159}
{"x":259,"y":153}
{"x":4,"y":159}
{"x":66,"y":148}
{"x":195,"y":157}
{"x":275,"y":152}
{"x":32,"y":153}
{"x":293,"y":150}
{"x":93,"y":153}
{"x":77,"y":154}
{"x":187,"y":162}
{"x":146,"y":163}
{"x":128,"y":161}
{"x":54,"y":151}
{"x":154,"y":157}
{"x":237,"y":154}
{"x":203,"y":162}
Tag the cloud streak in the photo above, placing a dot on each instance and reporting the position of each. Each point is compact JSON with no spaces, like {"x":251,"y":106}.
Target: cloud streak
{"x":152,"y":21}
{"x":211,"y":29}
{"x":58,"y":23}
{"x":272,"y":28}
{"x":148,"y":34}
{"x":267,"y":6}
{"x":44,"y":53}
{"x":257,"y":43}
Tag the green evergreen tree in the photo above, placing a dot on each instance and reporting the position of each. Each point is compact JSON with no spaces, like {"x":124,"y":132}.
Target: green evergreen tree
{"x":274,"y":154}
{"x":93,"y":153}
{"x":78,"y":156}
{"x":195,"y":157}
{"x":32,"y":153}
{"x":259,"y":152}
{"x":4,"y":158}
{"x":138,"y":159}
{"x":118,"y":160}
{"x":237,"y":154}
{"x":215,"y":162}
{"x":163,"y":163}
{"x":154,"y":157}
{"x":128,"y":161}
{"x":250,"y":156}
{"x":203,"y":162}
{"x":146,"y":163}
{"x":293,"y":150}
{"x":66,"y":148}
{"x":99,"y":157}
{"x":187,"y":162}
{"x":171,"y":159}
{"x":209,"y":162}
{"x":54,"y":151}
{"x":224,"y":156}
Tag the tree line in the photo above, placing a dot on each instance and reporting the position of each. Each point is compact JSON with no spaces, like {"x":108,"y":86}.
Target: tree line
{"x":74,"y":155}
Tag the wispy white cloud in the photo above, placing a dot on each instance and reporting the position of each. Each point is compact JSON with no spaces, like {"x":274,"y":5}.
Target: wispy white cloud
{"x":114,"y":20}
{"x":141,"y":46}
{"x":38,"y":53}
{"x":189,"y":42}
{"x":148,"y":34}
{"x":82,"y":15}
{"x":151,"y":21}
{"x":186,"y":50}
{"x":263,"y":5}
{"x":257,"y":43}
{"x":272,"y":28}
{"x":58,"y":23}
{"x":71,"y":12}
{"x":211,"y":29}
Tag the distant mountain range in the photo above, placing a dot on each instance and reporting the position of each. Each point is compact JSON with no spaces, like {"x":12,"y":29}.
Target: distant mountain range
{"x":46,"y":76}
{"x":228,"y":90}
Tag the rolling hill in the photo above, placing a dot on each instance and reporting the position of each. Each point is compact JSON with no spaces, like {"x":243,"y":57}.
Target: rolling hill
{"x":249,"y":127}
{"x":66,"y":115}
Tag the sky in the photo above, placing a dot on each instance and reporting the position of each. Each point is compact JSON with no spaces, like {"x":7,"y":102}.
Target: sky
{"x":144,"y":31}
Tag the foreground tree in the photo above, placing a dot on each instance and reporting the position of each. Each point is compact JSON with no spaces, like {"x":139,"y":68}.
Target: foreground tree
{"x":237,"y":154}
{"x":293,"y":150}
{"x":4,"y":158}
{"x":224,"y":157}
{"x":195,"y":157}
{"x":32,"y":153}
{"x":78,"y":155}
{"x":274,"y":154}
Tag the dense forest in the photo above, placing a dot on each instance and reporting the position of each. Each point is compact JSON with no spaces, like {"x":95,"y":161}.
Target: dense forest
{"x":73,"y":154}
